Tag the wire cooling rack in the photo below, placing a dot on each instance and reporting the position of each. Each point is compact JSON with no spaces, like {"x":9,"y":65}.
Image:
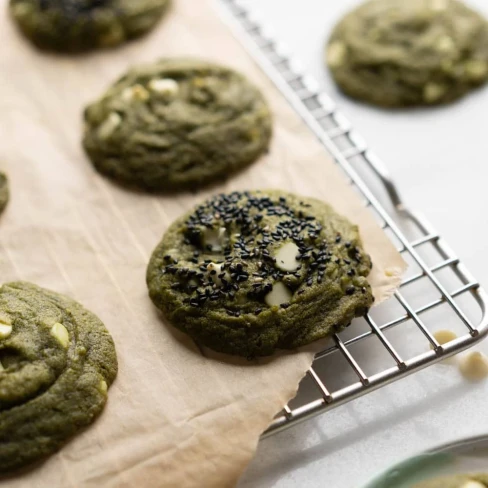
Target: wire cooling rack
{"x":396,"y":338}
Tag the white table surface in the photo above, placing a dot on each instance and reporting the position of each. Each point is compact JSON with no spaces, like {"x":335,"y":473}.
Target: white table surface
{"x":439,"y":159}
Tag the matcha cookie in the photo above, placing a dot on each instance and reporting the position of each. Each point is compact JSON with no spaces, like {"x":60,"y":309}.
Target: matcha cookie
{"x":56,"y":362}
{"x":4,"y":193}
{"x":247,"y":273}
{"x":458,"y":481}
{"x":398,"y":53}
{"x":177,"y":124}
{"x":80,"y":25}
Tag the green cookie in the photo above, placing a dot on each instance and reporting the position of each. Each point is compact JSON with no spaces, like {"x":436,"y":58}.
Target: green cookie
{"x":459,"y":481}
{"x":80,"y":25}
{"x":398,"y":53}
{"x":248,"y":273}
{"x":56,"y":363}
{"x":4,"y":192}
{"x":177,"y":124}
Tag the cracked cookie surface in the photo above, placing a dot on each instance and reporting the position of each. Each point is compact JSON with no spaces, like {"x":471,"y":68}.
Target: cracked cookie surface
{"x":177,"y":124}
{"x":57,"y":361}
{"x":398,"y":53}
{"x":247,"y":273}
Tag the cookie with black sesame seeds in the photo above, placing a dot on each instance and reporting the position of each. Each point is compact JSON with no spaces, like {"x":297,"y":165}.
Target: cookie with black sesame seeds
{"x":177,"y":124}
{"x":398,"y":53}
{"x":57,"y":361}
{"x":81,"y":25}
{"x":247,"y":273}
{"x":4,"y":191}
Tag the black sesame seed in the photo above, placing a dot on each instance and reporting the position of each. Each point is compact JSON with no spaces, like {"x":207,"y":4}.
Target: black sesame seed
{"x":285,"y":305}
{"x":350,"y":290}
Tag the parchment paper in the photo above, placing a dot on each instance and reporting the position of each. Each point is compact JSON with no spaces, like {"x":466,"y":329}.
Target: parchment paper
{"x":174,"y":418}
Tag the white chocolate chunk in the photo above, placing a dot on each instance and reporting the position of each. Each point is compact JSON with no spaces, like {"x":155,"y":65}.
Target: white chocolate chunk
{"x":474,"y":366}
{"x":107,"y":128}
{"x":336,"y":54}
{"x":60,"y":333}
{"x":167,"y":86}
{"x":278,"y":295}
{"x":217,"y":267}
{"x":286,"y":257}
{"x":5,"y":331}
{"x":476,"y":69}
{"x":215,"y":238}
{"x":136,"y":92}
{"x":103,"y":387}
{"x":444,"y":336}
{"x":5,"y":319}
{"x":433,"y":92}
{"x":472,"y":484}
{"x":445,"y":44}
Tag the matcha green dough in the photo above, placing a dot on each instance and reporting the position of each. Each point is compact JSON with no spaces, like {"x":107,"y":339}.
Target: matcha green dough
{"x":4,"y":193}
{"x":56,"y":362}
{"x":458,"y":481}
{"x":177,"y":124}
{"x":248,"y":273}
{"x":81,"y":25}
{"x":399,"y":53}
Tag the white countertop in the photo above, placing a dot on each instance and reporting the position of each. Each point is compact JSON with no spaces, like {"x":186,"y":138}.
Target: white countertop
{"x":439,"y":159}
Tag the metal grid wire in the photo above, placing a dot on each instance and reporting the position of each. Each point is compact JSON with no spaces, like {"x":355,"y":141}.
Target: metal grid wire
{"x":437,"y":292}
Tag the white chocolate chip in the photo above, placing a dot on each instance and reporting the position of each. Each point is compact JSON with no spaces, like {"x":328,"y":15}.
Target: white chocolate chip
{"x":103,"y":387}
{"x":107,"y":128}
{"x":336,"y":54}
{"x":474,"y":366}
{"x":60,"y":333}
{"x":445,"y":44}
{"x":5,"y":319}
{"x":444,"y":336}
{"x":215,"y":238}
{"x":472,"y":484}
{"x":5,"y":331}
{"x":286,"y":257}
{"x":136,"y":92}
{"x":433,"y":92}
{"x":278,"y":295}
{"x":476,"y":69}
{"x":167,"y":86}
